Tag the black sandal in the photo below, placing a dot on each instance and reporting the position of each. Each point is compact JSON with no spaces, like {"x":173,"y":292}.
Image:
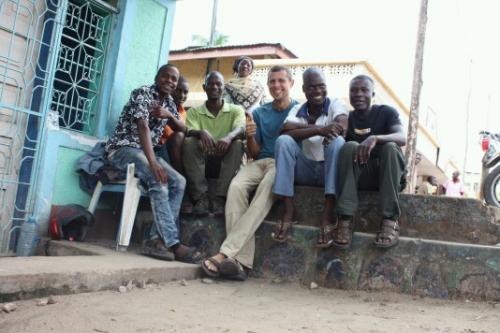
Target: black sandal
{"x":282,"y":228}
{"x":156,"y":249}
{"x":192,"y":256}
{"x":208,"y":272}
{"x":389,"y":230}
{"x":231,"y":269}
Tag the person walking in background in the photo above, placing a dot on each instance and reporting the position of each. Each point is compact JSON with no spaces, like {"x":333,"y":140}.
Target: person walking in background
{"x":454,"y":187}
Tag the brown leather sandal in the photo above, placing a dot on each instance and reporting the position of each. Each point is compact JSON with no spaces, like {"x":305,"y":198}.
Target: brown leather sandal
{"x":342,"y":235}
{"x":389,"y":230}
{"x":282,"y":229}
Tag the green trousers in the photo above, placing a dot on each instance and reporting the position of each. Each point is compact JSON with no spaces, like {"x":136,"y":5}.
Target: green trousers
{"x":385,"y":173}
{"x":194,"y":160}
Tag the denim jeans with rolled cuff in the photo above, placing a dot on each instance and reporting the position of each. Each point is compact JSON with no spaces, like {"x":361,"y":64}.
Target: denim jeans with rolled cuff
{"x":165,"y":199}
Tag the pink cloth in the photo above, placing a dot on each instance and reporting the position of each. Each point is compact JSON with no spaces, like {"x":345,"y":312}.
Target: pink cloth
{"x":454,"y":189}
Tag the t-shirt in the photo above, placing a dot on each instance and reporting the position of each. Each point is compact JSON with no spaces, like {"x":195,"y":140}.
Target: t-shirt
{"x":269,"y":122}
{"x":454,"y":189}
{"x":230,"y":117}
{"x":139,"y":105}
{"x":378,"y":121}
{"x":313,"y":146}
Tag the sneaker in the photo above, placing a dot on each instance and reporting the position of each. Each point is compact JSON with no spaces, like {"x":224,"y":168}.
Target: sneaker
{"x":156,"y":248}
{"x":218,"y":205}
{"x":201,"y":206}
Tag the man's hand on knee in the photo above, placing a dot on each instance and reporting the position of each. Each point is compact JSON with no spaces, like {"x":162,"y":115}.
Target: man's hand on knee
{"x":159,"y":173}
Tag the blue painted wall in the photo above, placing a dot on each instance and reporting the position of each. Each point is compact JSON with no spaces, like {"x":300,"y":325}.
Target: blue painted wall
{"x":140,"y":39}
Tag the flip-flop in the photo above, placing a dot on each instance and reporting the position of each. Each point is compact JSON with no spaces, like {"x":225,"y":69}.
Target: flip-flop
{"x":325,"y":232}
{"x":208,"y":272}
{"x":231,"y":269}
{"x":284,"y":229}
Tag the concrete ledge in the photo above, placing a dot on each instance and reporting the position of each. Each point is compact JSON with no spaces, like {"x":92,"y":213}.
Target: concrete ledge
{"x":415,"y":266}
{"x":28,"y":277}
{"x":430,"y":217}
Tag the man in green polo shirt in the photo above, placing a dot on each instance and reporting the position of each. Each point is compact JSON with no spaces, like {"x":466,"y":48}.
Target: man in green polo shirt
{"x":214,"y":129}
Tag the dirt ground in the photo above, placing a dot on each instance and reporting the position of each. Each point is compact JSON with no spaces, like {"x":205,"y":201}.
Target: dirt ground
{"x":256,"y":306}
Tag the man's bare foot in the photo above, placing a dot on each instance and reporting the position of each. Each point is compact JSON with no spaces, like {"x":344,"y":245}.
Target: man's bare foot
{"x":211,"y":265}
{"x":282,"y":227}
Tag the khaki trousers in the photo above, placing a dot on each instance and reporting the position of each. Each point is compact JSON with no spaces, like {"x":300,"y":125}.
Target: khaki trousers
{"x":242,"y":218}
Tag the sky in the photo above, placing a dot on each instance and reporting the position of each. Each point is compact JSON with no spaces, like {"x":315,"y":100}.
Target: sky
{"x":460,"y":71}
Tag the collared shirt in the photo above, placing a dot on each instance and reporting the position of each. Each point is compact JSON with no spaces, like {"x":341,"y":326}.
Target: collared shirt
{"x":139,"y":105}
{"x":313,"y":146}
{"x":230,"y":117}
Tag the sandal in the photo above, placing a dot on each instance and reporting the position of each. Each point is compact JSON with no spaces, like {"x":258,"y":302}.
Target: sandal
{"x":231,"y":269}
{"x":389,"y":230}
{"x":155,"y":248}
{"x":208,"y":272}
{"x":282,"y":229}
{"x":325,"y":234}
{"x":192,"y":256}
{"x":342,"y":235}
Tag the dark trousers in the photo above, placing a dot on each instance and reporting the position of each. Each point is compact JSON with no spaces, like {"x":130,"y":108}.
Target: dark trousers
{"x":383,"y":173}
{"x":194,"y":164}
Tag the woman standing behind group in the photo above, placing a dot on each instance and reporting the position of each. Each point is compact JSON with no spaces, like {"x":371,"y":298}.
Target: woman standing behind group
{"x":243,"y":90}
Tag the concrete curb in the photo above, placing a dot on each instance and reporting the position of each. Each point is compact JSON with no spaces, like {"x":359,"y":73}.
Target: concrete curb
{"x":29,"y":277}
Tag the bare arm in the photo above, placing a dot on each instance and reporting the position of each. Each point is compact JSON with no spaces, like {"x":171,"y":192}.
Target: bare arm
{"x":173,"y":122}
{"x":300,"y":131}
{"x":397,"y":136}
{"x":145,"y":138}
{"x":365,"y":148}
{"x":223,"y":144}
{"x":252,"y":144}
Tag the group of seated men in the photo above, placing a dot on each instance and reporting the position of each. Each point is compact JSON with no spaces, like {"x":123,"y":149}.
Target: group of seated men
{"x":317,"y":143}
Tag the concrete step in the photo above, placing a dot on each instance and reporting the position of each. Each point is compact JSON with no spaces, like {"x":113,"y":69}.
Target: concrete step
{"x":415,"y":266}
{"x":430,"y":217}
{"x":80,"y":267}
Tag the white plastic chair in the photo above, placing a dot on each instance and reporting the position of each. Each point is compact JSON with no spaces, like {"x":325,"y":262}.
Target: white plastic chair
{"x":129,"y":208}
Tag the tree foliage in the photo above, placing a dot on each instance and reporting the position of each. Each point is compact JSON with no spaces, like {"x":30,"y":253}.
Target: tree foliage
{"x":199,"y":40}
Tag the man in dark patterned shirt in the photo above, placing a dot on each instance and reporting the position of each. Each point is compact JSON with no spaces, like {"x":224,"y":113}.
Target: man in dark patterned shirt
{"x":137,"y":133}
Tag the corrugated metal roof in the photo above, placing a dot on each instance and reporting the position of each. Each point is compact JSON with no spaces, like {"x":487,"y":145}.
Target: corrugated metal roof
{"x":194,"y":49}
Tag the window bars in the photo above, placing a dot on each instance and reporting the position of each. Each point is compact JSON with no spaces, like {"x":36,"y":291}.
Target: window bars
{"x":80,"y":65}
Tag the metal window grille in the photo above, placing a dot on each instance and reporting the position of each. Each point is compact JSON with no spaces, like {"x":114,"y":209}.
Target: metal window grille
{"x":80,"y":65}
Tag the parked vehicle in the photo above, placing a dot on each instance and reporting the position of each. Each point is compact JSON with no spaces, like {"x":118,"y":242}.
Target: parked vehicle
{"x":490,"y":177}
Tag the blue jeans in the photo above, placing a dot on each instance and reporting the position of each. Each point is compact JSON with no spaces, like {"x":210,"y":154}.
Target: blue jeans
{"x":293,"y":167}
{"x":165,"y":199}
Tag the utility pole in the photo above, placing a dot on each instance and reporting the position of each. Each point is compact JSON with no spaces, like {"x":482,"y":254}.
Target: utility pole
{"x":411,"y":142}
{"x":212,"y":34}
{"x":467,"y":117}
{"x":214,"y":22}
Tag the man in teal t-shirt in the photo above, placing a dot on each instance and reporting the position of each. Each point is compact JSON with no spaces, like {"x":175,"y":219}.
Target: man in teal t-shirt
{"x":242,"y":219}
